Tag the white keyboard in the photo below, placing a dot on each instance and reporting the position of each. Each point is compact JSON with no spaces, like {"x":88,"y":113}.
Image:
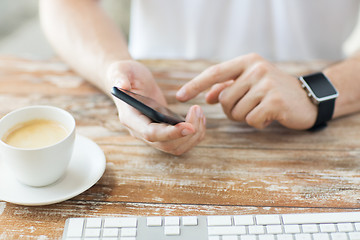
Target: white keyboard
{"x":310,"y":226}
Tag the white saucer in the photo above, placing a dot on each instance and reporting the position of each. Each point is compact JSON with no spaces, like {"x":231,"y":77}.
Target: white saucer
{"x":85,"y":169}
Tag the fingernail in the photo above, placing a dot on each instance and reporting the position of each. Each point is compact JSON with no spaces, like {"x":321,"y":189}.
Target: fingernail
{"x":186,"y":132}
{"x":220,"y":95}
{"x":120,"y":83}
{"x":181,"y":93}
{"x":117,"y":83}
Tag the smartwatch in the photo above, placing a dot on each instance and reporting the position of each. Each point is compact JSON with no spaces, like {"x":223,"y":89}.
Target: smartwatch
{"x":323,"y":94}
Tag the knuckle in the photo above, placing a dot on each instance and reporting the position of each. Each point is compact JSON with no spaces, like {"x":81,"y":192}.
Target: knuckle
{"x":266,"y":85}
{"x":226,"y":109}
{"x":168,"y":149}
{"x":114,"y":66}
{"x":177,"y":152}
{"x":252,"y":121}
{"x":254,"y":57}
{"x":276,"y":100}
{"x":261,"y":67}
{"x":149,"y":135}
{"x":237,"y":116}
{"x":173,"y":149}
{"x":224,"y":100}
{"x":214,"y":71}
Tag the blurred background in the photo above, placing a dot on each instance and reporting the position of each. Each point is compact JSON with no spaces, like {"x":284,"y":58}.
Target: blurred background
{"x":20,"y":30}
{"x":21,"y":34}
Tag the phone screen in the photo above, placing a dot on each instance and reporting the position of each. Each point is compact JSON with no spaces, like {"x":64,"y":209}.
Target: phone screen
{"x":148,"y":106}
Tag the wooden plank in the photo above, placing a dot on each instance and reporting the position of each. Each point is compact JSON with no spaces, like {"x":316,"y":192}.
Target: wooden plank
{"x":241,"y":177}
{"x":96,"y":117}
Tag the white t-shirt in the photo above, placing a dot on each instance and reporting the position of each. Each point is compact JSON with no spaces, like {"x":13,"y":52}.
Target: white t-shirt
{"x":279,"y":30}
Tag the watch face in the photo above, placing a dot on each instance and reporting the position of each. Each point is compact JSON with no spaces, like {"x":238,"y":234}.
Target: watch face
{"x":320,"y":86}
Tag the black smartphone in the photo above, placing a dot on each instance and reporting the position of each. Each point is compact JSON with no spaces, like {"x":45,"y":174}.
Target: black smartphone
{"x":148,"y":106}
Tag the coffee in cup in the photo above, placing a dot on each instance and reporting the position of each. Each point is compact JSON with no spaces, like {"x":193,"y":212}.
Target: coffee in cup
{"x":35,"y":133}
{"x":36,"y":143}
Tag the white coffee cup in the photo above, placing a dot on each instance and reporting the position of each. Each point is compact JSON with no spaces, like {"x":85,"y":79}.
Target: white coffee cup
{"x":42,"y":165}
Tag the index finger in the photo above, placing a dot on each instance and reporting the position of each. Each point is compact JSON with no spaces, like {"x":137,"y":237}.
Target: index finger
{"x":218,"y":73}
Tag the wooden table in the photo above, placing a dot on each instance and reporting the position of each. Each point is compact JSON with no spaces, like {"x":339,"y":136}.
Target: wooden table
{"x":235,"y":170}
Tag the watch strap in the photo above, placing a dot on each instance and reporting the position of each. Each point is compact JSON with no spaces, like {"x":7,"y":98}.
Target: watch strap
{"x":325,"y":113}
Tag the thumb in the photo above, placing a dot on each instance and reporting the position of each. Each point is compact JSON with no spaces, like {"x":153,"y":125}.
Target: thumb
{"x":118,"y":78}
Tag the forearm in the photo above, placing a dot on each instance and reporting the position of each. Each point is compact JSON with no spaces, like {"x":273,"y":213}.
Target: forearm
{"x":83,"y":36}
{"x":345,"y":76}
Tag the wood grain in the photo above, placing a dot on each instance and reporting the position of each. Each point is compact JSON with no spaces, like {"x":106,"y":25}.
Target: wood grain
{"x":235,"y":170}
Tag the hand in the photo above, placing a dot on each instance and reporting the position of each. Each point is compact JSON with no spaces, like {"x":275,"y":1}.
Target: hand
{"x":178,"y":139}
{"x":251,"y":89}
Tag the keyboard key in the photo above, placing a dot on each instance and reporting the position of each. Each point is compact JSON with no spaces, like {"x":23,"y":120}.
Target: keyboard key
{"x":172,"y":221}
{"x":154,"y":221}
{"x":75,"y":227}
{"x":354,"y":235}
{"x":190,"y":221}
{"x":267,"y":219}
{"x":327,"y":227}
{"x":357,"y":226}
{"x":303,"y":236}
{"x":110,"y":232}
{"x":92,"y":232}
{"x":172,"y":230}
{"x":248,"y":237}
{"x":244,"y":220}
{"x":321,"y":218}
{"x":339,"y":236}
{"x":120,"y":222}
{"x":93,"y":222}
{"x":309,"y":228}
{"x":256,"y":229}
{"x":345,"y":227}
{"x":284,"y":237}
{"x":274,"y":229}
{"x":226,"y":230}
{"x":266,"y":237}
{"x":291,"y":228}
{"x":232,"y":237}
{"x":321,"y":236}
{"x":219,"y":220}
